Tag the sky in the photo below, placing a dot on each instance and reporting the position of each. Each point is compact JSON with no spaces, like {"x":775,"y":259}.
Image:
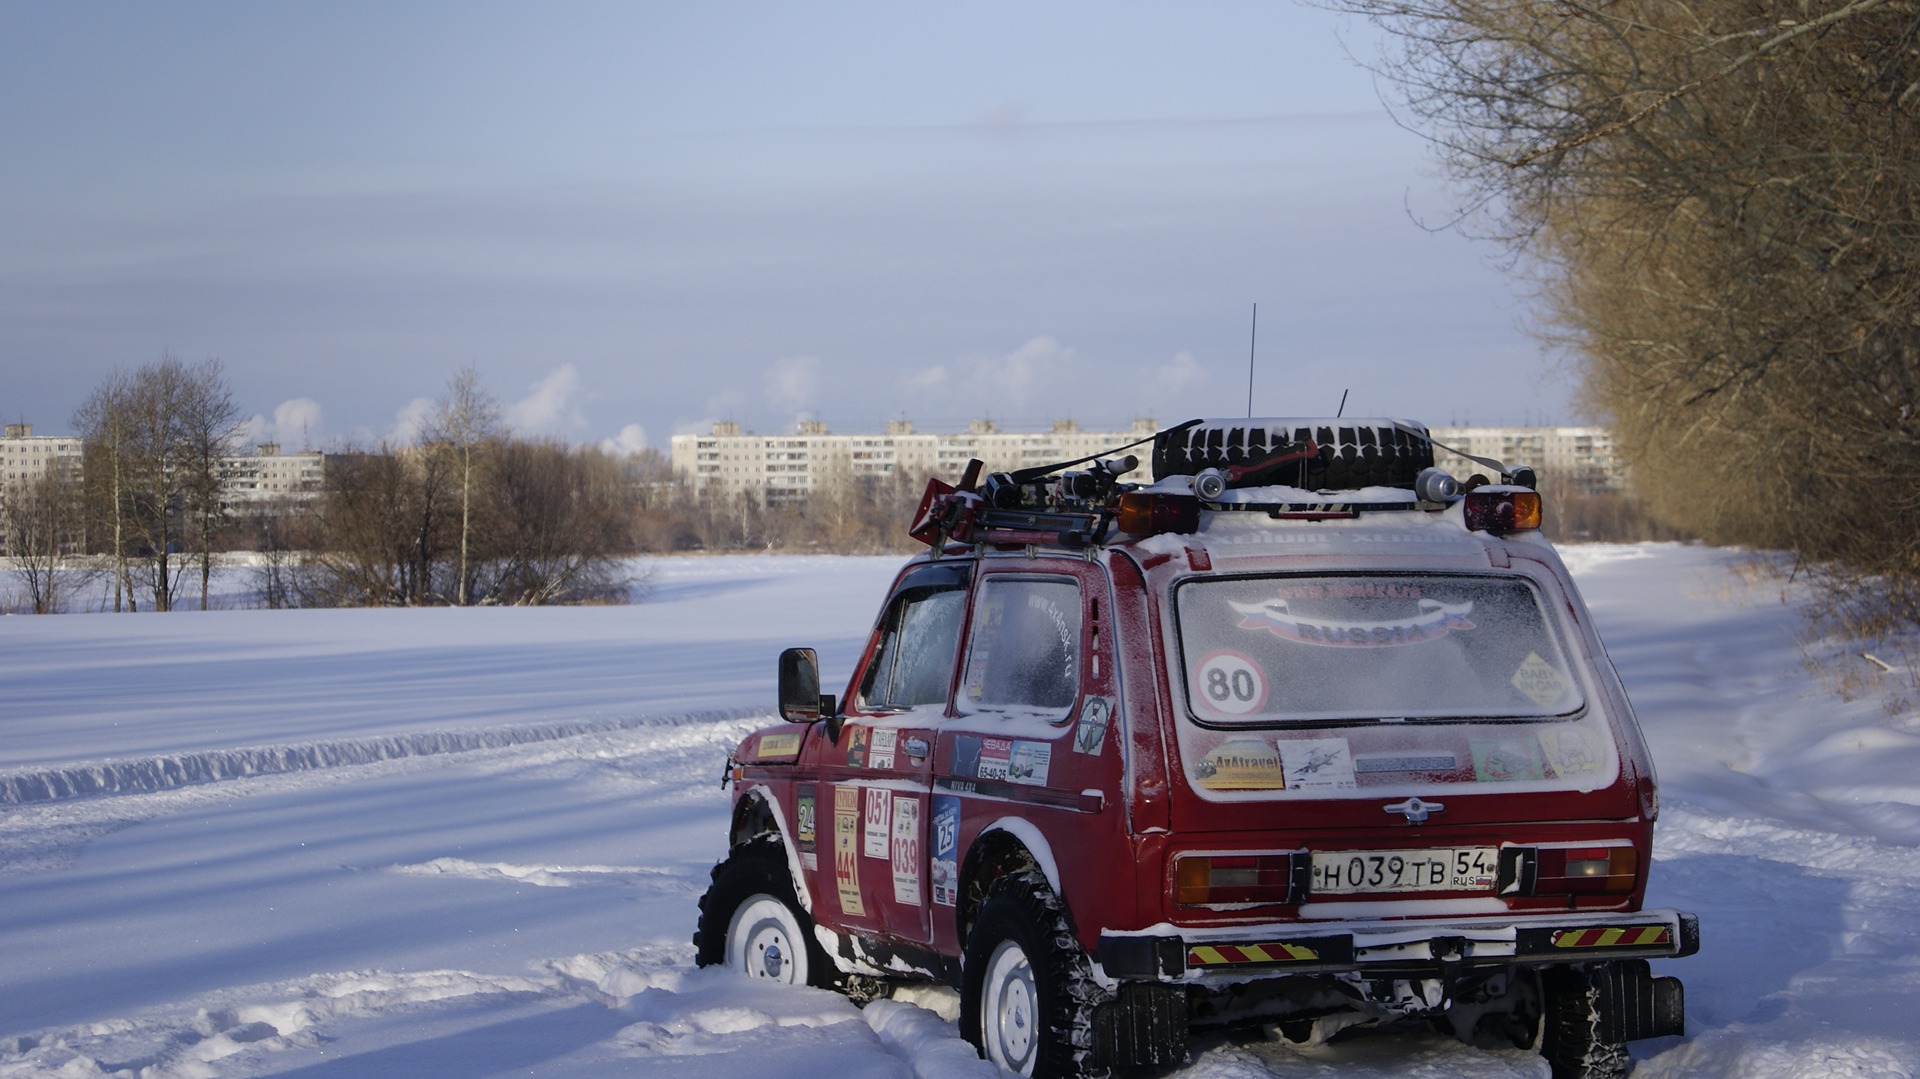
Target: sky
{"x":636,"y":219}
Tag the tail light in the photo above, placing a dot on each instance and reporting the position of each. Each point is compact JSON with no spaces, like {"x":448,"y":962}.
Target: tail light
{"x":1201,"y":880}
{"x":1149,"y":514}
{"x":1600,"y":870}
{"x":1503,"y":509}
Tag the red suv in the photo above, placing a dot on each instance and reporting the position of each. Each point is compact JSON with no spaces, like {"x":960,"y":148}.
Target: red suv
{"x":1304,"y":732}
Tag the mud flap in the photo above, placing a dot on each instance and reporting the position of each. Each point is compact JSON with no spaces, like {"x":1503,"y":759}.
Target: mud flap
{"x":1143,"y":1026}
{"x":1634,"y":1004}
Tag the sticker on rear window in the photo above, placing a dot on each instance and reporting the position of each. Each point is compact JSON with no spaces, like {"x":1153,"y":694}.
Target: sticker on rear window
{"x":1231,"y":684}
{"x":1574,"y":753}
{"x":1240,"y":764}
{"x":1502,"y":759}
{"x":1318,"y":764}
{"x":1539,"y":681}
{"x":1434,"y":621}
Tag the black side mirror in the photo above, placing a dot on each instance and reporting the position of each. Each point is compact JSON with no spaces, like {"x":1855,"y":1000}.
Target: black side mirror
{"x":799,"y":685}
{"x":800,"y":699}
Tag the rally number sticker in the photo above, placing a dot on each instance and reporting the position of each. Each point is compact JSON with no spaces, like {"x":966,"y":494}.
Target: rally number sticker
{"x":1230,"y":683}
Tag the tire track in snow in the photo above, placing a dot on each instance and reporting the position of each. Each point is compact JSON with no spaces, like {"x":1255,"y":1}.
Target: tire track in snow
{"x":170,"y":771}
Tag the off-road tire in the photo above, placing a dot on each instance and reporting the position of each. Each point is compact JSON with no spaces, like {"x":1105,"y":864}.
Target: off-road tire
{"x":754,"y":875}
{"x":1022,"y":922}
{"x":1353,"y":453}
{"x":1571,"y":1027}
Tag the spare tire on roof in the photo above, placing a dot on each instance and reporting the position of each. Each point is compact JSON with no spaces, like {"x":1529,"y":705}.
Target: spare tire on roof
{"x":1351,"y":453}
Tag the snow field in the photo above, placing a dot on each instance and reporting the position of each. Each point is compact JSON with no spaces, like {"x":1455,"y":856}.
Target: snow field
{"x":470,"y":842}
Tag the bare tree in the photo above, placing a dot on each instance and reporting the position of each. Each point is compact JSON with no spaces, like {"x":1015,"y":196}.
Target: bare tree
{"x":105,"y":423}
{"x":1720,"y":201}
{"x":159,"y":436}
{"x":562,"y":515}
{"x":42,"y":519}
{"x":369,"y":534}
{"x":209,"y":429}
{"x":465,"y":422}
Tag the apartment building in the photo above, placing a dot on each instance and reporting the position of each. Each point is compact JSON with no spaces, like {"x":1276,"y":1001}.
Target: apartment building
{"x":781,"y":469}
{"x":25,"y":455}
{"x":1566,"y":458}
{"x":267,"y":477}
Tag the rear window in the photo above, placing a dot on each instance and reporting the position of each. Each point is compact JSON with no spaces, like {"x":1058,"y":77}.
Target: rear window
{"x":1300,"y":650}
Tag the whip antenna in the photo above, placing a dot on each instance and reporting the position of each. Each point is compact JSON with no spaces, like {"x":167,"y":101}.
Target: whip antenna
{"x":1252,"y":340}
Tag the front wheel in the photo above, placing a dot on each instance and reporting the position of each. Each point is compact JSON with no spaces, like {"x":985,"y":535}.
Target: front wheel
{"x":751,"y":921}
{"x":1027,"y":992}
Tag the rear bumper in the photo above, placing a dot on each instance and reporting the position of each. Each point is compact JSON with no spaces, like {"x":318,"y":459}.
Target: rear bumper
{"x":1394,"y":949}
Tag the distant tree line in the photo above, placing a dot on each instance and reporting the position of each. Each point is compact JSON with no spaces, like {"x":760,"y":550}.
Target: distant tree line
{"x":465,"y":514}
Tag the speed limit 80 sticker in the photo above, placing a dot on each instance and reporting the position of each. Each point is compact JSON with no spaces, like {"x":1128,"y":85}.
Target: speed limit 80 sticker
{"x":1229,"y":683}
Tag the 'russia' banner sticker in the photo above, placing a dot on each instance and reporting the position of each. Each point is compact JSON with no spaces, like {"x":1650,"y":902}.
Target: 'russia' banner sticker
{"x":1434,"y":621}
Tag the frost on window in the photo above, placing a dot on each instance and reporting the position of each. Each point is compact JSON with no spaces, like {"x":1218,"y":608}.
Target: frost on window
{"x":1025,"y":652}
{"x":1284,"y":650}
{"x":914,"y":664}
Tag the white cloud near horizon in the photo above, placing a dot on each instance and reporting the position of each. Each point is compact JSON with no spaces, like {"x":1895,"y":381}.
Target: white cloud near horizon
{"x":792,"y":384}
{"x":553,"y":406}
{"x":410,"y":421}
{"x":630,"y":440}
{"x":295,"y":424}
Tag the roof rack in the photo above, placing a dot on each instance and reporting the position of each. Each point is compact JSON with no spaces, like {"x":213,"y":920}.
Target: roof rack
{"x":1291,"y":462}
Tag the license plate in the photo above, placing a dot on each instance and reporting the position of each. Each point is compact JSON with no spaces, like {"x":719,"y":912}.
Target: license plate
{"x":1440,"y":869}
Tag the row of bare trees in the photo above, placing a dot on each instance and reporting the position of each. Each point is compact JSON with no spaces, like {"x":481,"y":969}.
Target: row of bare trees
{"x":1722,"y":203}
{"x":155,"y":443}
{"x":464,"y":514}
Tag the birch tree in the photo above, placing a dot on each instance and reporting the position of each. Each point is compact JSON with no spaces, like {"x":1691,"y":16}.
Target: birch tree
{"x":464,"y":425}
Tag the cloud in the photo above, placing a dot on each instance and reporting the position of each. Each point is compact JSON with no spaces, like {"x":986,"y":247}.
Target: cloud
{"x":791,"y":384}
{"x":553,"y":408}
{"x":631,"y":440}
{"x":1179,"y":373}
{"x":1027,"y":368}
{"x":295,"y":425}
{"x":929,"y":378}
{"x":410,"y":421}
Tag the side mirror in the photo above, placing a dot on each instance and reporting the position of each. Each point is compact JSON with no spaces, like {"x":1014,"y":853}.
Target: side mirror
{"x":799,"y":685}
{"x":800,"y":699}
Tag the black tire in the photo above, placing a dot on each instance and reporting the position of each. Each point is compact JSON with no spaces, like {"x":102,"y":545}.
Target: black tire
{"x":751,"y":921}
{"x":1027,"y":995}
{"x":1353,"y":453}
{"x":1572,"y":1028}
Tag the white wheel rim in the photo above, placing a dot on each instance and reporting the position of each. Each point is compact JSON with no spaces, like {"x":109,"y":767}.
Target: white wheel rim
{"x":1010,"y":1014}
{"x":763,"y":941}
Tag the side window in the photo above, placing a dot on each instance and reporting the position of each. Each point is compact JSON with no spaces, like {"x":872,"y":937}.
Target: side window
{"x":914,"y":663}
{"x":1025,"y":651}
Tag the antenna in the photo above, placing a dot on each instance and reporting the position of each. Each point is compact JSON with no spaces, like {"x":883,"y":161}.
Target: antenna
{"x":1343,"y":403}
{"x":1252,"y":340}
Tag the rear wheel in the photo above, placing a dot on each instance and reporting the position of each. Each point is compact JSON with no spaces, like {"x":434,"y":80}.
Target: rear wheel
{"x":751,"y":921}
{"x":1027,"y":992}
{"x":1573,"y":1037}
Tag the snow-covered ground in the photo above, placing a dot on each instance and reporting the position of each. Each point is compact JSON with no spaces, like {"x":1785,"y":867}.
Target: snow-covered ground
{"x":466,"y":843}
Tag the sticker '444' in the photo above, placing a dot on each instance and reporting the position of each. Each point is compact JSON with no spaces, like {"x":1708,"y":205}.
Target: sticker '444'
{"x":1449,"y":869}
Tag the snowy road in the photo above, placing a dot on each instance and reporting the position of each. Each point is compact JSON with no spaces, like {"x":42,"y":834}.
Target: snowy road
{"x":469,"y":843}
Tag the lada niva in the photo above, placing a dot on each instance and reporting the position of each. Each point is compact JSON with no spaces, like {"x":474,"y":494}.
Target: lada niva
{"x":1303,"y":732}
